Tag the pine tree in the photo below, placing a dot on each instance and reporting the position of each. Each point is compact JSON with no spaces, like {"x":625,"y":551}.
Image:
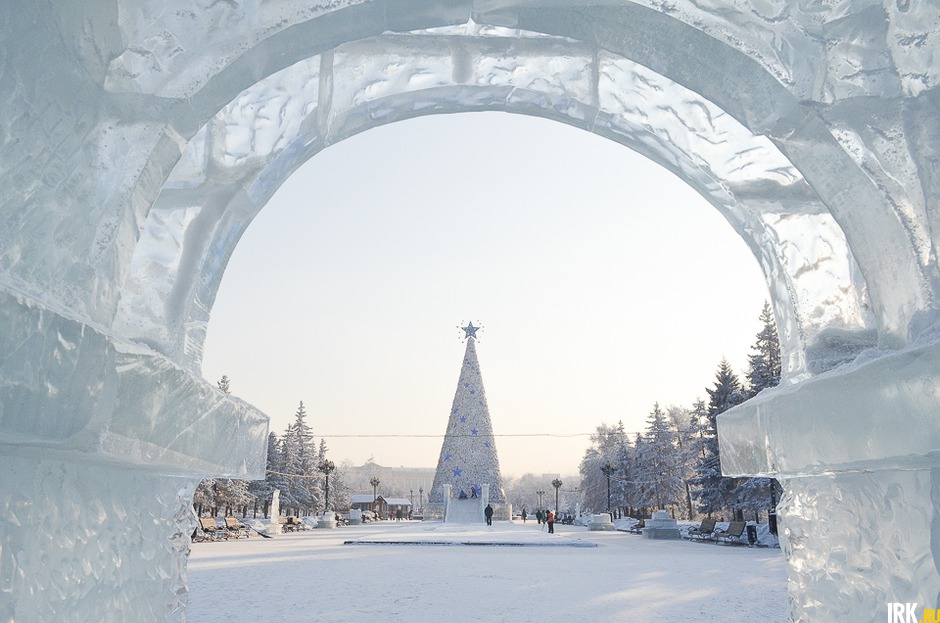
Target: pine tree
{"x":712,"y":491}
{"x":764,"y":365}
{"x":623,"y":491}
{"x":658,"y":463}
{"x":681,"y":420}
{"x":300,"y":465}
{"x":223,"y":384}
{"x":764,"y":370}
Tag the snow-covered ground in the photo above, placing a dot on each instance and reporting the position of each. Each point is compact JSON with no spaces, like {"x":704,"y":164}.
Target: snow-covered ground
{"x":314,"y":576}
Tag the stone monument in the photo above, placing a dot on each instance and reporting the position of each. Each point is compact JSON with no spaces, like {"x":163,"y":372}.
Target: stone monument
{"x":661,"y":526}
{"x":601,"y":521}
{"x":274,"y":527}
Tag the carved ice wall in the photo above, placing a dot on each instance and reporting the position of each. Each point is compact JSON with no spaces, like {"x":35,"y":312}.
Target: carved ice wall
{"x":140,"y":137}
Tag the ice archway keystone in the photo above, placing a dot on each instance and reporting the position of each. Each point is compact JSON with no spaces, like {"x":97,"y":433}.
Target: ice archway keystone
{"x":140,"y":139}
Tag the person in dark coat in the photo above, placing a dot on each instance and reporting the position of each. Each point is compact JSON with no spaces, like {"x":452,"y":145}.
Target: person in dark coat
{"x":488,"y":511}
{"x":523,"y":515}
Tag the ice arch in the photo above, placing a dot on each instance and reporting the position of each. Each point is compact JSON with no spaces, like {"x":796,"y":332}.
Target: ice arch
{"x":141,"y":137}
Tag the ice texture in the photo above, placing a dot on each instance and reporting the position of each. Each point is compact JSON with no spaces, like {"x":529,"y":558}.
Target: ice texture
{"x":139,"y":138}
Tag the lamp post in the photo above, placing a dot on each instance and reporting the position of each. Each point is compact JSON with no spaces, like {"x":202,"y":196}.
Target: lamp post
{"x":540,"y":494}
{"x":375,"y":483}
{"x":327,"y":468}
{"x":412,"y":498}
{"x":557,"y":484}
{"x":421,"y":499}
{"x":608,"y":469}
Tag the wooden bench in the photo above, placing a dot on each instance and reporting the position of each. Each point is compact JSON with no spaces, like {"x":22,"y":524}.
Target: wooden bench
{"x":235,"y":529}
{"x":732,"y":534}
{"x":292,"y":523}
{"x":210,"y":529}
{"x":704,"y":531}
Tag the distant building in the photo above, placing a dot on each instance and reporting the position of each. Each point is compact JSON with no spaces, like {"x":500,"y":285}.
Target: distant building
{"x":381,"y":506}
{"x":411,"y":483}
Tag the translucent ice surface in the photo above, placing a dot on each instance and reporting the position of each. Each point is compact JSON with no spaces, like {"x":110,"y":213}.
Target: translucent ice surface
{"x":139,"y":138}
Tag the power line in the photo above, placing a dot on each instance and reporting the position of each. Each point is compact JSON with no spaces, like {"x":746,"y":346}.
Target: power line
{"x":441,"y":436}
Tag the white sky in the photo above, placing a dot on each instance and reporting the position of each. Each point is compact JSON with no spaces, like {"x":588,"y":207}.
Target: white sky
{"x":603,"y":282}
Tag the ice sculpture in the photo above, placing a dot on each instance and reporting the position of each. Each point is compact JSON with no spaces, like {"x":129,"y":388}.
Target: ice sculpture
{"x":140,"y":137}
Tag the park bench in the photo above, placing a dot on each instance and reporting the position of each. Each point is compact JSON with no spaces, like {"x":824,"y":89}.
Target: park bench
{"x":637,"y":528}
{"x":704,"y":531}
{"x":732,"y":534}
{"x":235,"y":529}
{"x":293,"y":523}
{"x":210,"y":529}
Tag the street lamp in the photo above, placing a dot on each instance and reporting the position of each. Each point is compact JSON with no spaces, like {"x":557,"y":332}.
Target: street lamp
{"x":421,"y":499}
{"x":375,"y":483}
{"x":412,"y":498}
{"x":327,"y":468}
{"x":540,"y":494}
{"x":557,"y":484}
{"x":608,"y":469}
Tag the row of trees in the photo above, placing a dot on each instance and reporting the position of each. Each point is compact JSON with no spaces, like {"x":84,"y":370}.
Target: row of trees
{"x":296,"y":465}
{"x":675,"y":463}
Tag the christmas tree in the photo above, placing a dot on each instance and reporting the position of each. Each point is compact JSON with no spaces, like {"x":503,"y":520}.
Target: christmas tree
{"x":468,"y":455}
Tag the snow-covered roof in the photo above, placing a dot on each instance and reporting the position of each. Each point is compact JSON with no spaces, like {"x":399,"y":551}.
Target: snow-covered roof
{"x":360,"y":498}
{"x":398,"y":501}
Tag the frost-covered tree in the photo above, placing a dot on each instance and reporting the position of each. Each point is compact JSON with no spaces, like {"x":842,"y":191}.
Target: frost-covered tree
{"x":231,"y":496}
{"x":521,"y":491}
{"x":224,"y":384}
{"x":262,"y":491}
{"x":659,"y":463}
{"x":711,"y":490}
{"x":204,"y":497}
{"x":300,"y":460}
{"x":339,"y":489}
{"x":623,"y":490}
{"x":607,"y":448}
{"x":680,"y":419}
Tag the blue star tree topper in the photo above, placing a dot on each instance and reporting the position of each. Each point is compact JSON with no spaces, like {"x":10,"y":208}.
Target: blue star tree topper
{"x":470,"y":331}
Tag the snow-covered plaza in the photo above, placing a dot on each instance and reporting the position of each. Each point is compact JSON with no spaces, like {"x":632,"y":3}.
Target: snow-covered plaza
{"x":316,"y":576}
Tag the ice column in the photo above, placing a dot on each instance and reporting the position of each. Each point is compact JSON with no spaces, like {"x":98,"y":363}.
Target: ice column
{"x":101,"y":446}
{"x":856,"y":452}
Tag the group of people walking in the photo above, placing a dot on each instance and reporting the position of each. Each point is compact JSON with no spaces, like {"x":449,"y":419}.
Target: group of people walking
{"x":543,"y":517}
{"x":546,"y":517}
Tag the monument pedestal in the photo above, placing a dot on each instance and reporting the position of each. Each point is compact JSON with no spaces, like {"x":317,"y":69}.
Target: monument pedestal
{"x":601,"y":521}
{"x":661,"y":526}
